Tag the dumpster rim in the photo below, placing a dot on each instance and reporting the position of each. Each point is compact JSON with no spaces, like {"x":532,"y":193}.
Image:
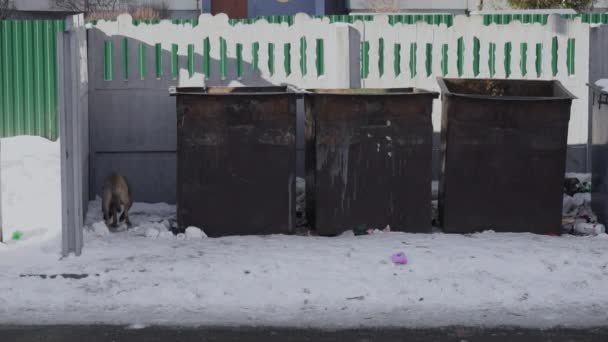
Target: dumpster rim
{"x":202,"y":91}
{"x":445,"y":91}
{"x":401,"y":91}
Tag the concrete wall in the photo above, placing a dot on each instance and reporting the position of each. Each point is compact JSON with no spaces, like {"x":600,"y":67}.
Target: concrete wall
{"x":133,"y":118}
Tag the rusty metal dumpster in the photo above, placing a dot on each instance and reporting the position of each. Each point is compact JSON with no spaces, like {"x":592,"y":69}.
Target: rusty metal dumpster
{"x":599,"y":152}
{"x":236,"y":159}
{"x":503,"y":146}
{"x":368,"y":159}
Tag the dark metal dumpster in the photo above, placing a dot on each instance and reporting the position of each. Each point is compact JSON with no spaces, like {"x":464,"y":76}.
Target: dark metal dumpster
{"x":599,"y":152}
{"x":503,"y":145}
{"x":236,"y":159}
{"x":368,"y":159}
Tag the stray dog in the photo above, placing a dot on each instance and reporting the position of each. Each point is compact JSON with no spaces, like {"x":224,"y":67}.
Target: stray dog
{"x":116,"y":198}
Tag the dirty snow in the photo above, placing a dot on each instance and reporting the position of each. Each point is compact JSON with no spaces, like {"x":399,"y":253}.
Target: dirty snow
{"x":30,"y":173}
{"x":146,"y":275}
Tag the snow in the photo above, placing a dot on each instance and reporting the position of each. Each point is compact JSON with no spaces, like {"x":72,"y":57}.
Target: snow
{"x":295,"y":281}
{"x":603,"y":83}
{"x":30,"y":172}
{"x":146,"y":275}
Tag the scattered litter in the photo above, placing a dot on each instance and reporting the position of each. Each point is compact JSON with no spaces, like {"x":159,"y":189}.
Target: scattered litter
{"x":152,"y":233}
{"x":181,"y":236}
{"x":17,"y":235}
{"x":100,"y":229}
{"x":166,"y":235}
{"x":388,"y":122}
{"x":399,"y":258}
{"x":356,"y":298}
{"x":593,"y":229}
{"x":195,"y":233}
{"x":388,"y":138}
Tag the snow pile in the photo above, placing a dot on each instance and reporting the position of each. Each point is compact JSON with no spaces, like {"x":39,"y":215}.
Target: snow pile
{"x":30,"y":172}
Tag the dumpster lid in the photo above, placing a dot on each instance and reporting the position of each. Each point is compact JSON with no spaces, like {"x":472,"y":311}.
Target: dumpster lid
{"x":228,"y":91}
{"x":505,"y":90}
{"x":374,"y":92}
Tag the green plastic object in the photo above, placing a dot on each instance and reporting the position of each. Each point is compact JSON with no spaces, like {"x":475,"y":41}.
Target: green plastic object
{"x":17,"y":235}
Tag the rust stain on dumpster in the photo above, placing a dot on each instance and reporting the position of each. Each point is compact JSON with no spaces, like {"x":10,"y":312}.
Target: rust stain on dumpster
{"x":503,"y":145}
{"x":236,"y":160}
{"x":368,"y":159}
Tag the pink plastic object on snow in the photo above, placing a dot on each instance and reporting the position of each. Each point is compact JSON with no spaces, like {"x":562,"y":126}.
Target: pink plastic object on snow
{"x":399,"y":258}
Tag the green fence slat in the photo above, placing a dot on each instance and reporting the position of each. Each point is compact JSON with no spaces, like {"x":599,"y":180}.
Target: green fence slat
{"x":364,"y":59}
{"x":397,"y":60}
{"x":191,"y":62}
{"x":381,"y":57}
{"x":320,"y":57}
{"x":207,"y":58}
{"x":271,"y":58}
{"x":476,"y":58}
{"x":142,"y":61}
{"x":413,"y":61}
{"x":18,"y":110}
{"x":239,"y":60}
{"x":108,"y":60}
{"x":50,"y":80}
{"x":539,"y":59}
{"x":7,"y":79}
{"x":158,"y":60}
{"x":523,"y":64}
{"x":255,"y":58}
{"x":444,"y":59}
{"x":570,"y":56}
{"x":28,"y":73}
{"x":554,"y":56}
{"x":53,"y":122}
{"x":39,"y":51}
{"x":507,"y":61}
{"x":287,"y":58}
{"x":125,"y":58}
{"x":174,"y":61}
{"x":223,"y":58}
{"x":492,"y":59}
{"x":460,"y":57}
{"x":303,"y":60}
{"x":429,"y":59}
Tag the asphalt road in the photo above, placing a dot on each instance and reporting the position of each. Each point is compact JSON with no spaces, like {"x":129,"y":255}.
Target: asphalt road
{"x":165,"y":334}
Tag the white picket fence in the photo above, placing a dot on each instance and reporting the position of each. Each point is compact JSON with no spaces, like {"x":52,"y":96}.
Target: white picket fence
{"x":313,"y":53}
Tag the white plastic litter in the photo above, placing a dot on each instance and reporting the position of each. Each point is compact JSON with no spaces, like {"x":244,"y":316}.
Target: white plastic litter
{"x":594,"y":229}
{"x":100,"y":228}
{"x":195,"y":233}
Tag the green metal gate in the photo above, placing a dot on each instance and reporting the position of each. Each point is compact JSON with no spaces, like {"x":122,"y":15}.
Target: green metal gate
{"x":28,"y":77}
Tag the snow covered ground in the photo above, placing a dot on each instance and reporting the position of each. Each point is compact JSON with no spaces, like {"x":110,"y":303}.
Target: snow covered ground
{"x":148,"y":276}
{"x":31,"y":188}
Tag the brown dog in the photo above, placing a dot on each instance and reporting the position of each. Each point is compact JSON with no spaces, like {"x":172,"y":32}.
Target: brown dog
{"x":116,"y":197}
